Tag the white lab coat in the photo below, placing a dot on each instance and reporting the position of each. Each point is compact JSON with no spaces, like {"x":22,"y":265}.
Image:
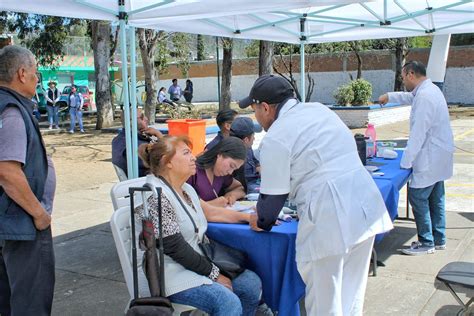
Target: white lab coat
{"x":430,"y":146}
{"x":309,"y":153}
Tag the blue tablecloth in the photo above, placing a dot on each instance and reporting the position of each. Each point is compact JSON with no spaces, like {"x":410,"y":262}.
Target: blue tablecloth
{"x":392,"y":171}
{"x":272,"y":254}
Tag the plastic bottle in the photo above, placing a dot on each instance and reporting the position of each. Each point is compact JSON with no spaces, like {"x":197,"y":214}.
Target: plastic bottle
{"x":372,"y":140}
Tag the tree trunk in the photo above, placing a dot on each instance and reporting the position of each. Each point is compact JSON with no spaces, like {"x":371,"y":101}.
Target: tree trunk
{"x":200,"y":48}
{"x":101,"y":47}
{"x":226,"y":73}
{"x":147,"y":40}
{"x":265,"y":58}
{"x":401,"y":52}
{"x":359,"y":64}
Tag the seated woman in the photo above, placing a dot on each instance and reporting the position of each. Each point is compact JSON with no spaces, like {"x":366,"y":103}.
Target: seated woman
{"x":162,"y":97}
{"x":213,"y":180}
{"x":190,"y":278}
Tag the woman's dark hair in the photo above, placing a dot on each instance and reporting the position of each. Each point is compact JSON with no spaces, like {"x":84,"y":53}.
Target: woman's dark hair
{"x":162,"y":88}
{"x":229,"y":147}
{"x":227,"y":115}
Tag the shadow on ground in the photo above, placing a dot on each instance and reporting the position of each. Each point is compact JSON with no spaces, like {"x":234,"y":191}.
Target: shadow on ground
{"x":89,"y":279}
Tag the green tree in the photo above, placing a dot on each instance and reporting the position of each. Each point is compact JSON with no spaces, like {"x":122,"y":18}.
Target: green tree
{"x":44,"y":35}
{"x":181,"y":51}
{"x":200,"y":48}
{"x":252,"y":50}
{"x":462,"y":39}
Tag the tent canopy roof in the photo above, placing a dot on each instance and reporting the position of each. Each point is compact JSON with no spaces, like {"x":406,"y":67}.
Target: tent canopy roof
{"x":334,"y":23}
{"x":162,"y":10}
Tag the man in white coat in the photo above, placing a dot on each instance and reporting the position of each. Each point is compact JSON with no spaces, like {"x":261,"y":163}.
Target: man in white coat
{"x":429,"y":153}
{"x":309,"y":156}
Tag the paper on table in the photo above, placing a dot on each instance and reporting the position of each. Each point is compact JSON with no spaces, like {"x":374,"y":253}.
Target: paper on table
{"x":243,"y":206}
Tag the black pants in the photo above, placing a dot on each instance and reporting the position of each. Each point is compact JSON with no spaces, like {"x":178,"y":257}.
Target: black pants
{"x":27,"y":276}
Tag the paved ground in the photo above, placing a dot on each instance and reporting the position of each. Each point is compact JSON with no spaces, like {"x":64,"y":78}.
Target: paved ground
{"x":89,"y":277}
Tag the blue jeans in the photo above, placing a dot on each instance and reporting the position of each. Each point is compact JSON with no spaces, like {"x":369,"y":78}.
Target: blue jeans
{"x":429,"y":212}
{"x":217,"y":300}
{"x":53,"y":117}
{"x":73,"y":112}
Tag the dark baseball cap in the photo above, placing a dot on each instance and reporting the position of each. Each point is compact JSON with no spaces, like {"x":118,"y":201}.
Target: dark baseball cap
{"x":269,"y":89}
{"x":243,"y":126}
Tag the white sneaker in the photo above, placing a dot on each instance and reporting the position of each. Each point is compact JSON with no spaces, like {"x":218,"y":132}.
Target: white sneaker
{"x":82,"y":131}
{"x":440,"y":247}
{"x":50,"y":127}
{"x":71,"y":132}
{"x":416,"y":249}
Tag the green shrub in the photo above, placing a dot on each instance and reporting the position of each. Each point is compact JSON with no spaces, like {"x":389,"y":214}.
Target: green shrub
{"x":362,"y":92}
{"x":344,"y":95}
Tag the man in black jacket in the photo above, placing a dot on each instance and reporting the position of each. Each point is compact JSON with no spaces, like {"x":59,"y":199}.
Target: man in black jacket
{"x":27,"y":186}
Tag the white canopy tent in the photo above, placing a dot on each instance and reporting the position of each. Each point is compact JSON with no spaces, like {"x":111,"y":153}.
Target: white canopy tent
{"x":144,"y":12}
{"x":291,"y":21}
{"x":335,"y":23}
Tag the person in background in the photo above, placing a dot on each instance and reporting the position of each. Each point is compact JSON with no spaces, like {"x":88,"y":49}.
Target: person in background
{"x":76,"y":102}
{"x":145,"y":135}
{"x":429,"y":153}
{"x":249,"y":175}
{"x":223,"y":119}
{"x":340,"y":208}
{"x":27,"y":188}
{"x":162,"y":97}
{"x":190,"y":277}
{"x":175,"y":91}
{"x":52,"y":97}
{"x":213,"y":180}
{"x":188,"y":91}
{"x":35,"y":99}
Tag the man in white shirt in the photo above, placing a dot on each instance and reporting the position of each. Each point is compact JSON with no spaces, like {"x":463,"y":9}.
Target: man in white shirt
{"x":429,"y":153}
{"x":309,"y":156}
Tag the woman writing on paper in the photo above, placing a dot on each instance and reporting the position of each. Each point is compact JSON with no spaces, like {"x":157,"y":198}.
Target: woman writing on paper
{"x":213,"y":180}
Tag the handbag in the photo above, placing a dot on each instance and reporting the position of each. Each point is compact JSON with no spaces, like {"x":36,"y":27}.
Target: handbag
{"x":157,"y":304}
{"x":230,"y":261}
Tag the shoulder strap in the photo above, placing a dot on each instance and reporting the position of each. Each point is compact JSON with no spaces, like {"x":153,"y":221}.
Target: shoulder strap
{"x":196,"y":230}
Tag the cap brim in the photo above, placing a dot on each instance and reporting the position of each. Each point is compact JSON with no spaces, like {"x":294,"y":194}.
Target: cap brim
{"x":257,"y":128}
{"x":245,"y":102}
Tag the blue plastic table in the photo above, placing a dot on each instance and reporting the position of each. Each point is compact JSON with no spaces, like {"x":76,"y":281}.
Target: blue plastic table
{"x":272,"y":254}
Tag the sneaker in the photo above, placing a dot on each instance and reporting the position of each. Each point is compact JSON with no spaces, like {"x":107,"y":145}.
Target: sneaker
{"x":56,"y":127}
{"x":440,"y":247}
{"x":71,"y":132}
{"x":416,"y":249}
{"x":50,"y":127}
{"x":82,"y":131}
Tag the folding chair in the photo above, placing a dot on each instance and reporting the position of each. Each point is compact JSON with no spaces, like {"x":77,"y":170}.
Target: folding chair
{"x":122,"y":233}
{"x":120,"y":173}
{"x":119,"y":192}
{"x":460,"y":276}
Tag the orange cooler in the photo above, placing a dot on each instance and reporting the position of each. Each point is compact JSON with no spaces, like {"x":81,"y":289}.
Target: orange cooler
{"x":193,"y":128}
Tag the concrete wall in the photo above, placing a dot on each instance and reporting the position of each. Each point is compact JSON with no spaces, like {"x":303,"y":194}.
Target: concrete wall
{"x":330,"y":71}
{"x":457,"y":86}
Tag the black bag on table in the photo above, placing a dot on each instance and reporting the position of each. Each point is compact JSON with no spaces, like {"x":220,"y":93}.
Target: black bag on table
{"x":157,"y":304}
